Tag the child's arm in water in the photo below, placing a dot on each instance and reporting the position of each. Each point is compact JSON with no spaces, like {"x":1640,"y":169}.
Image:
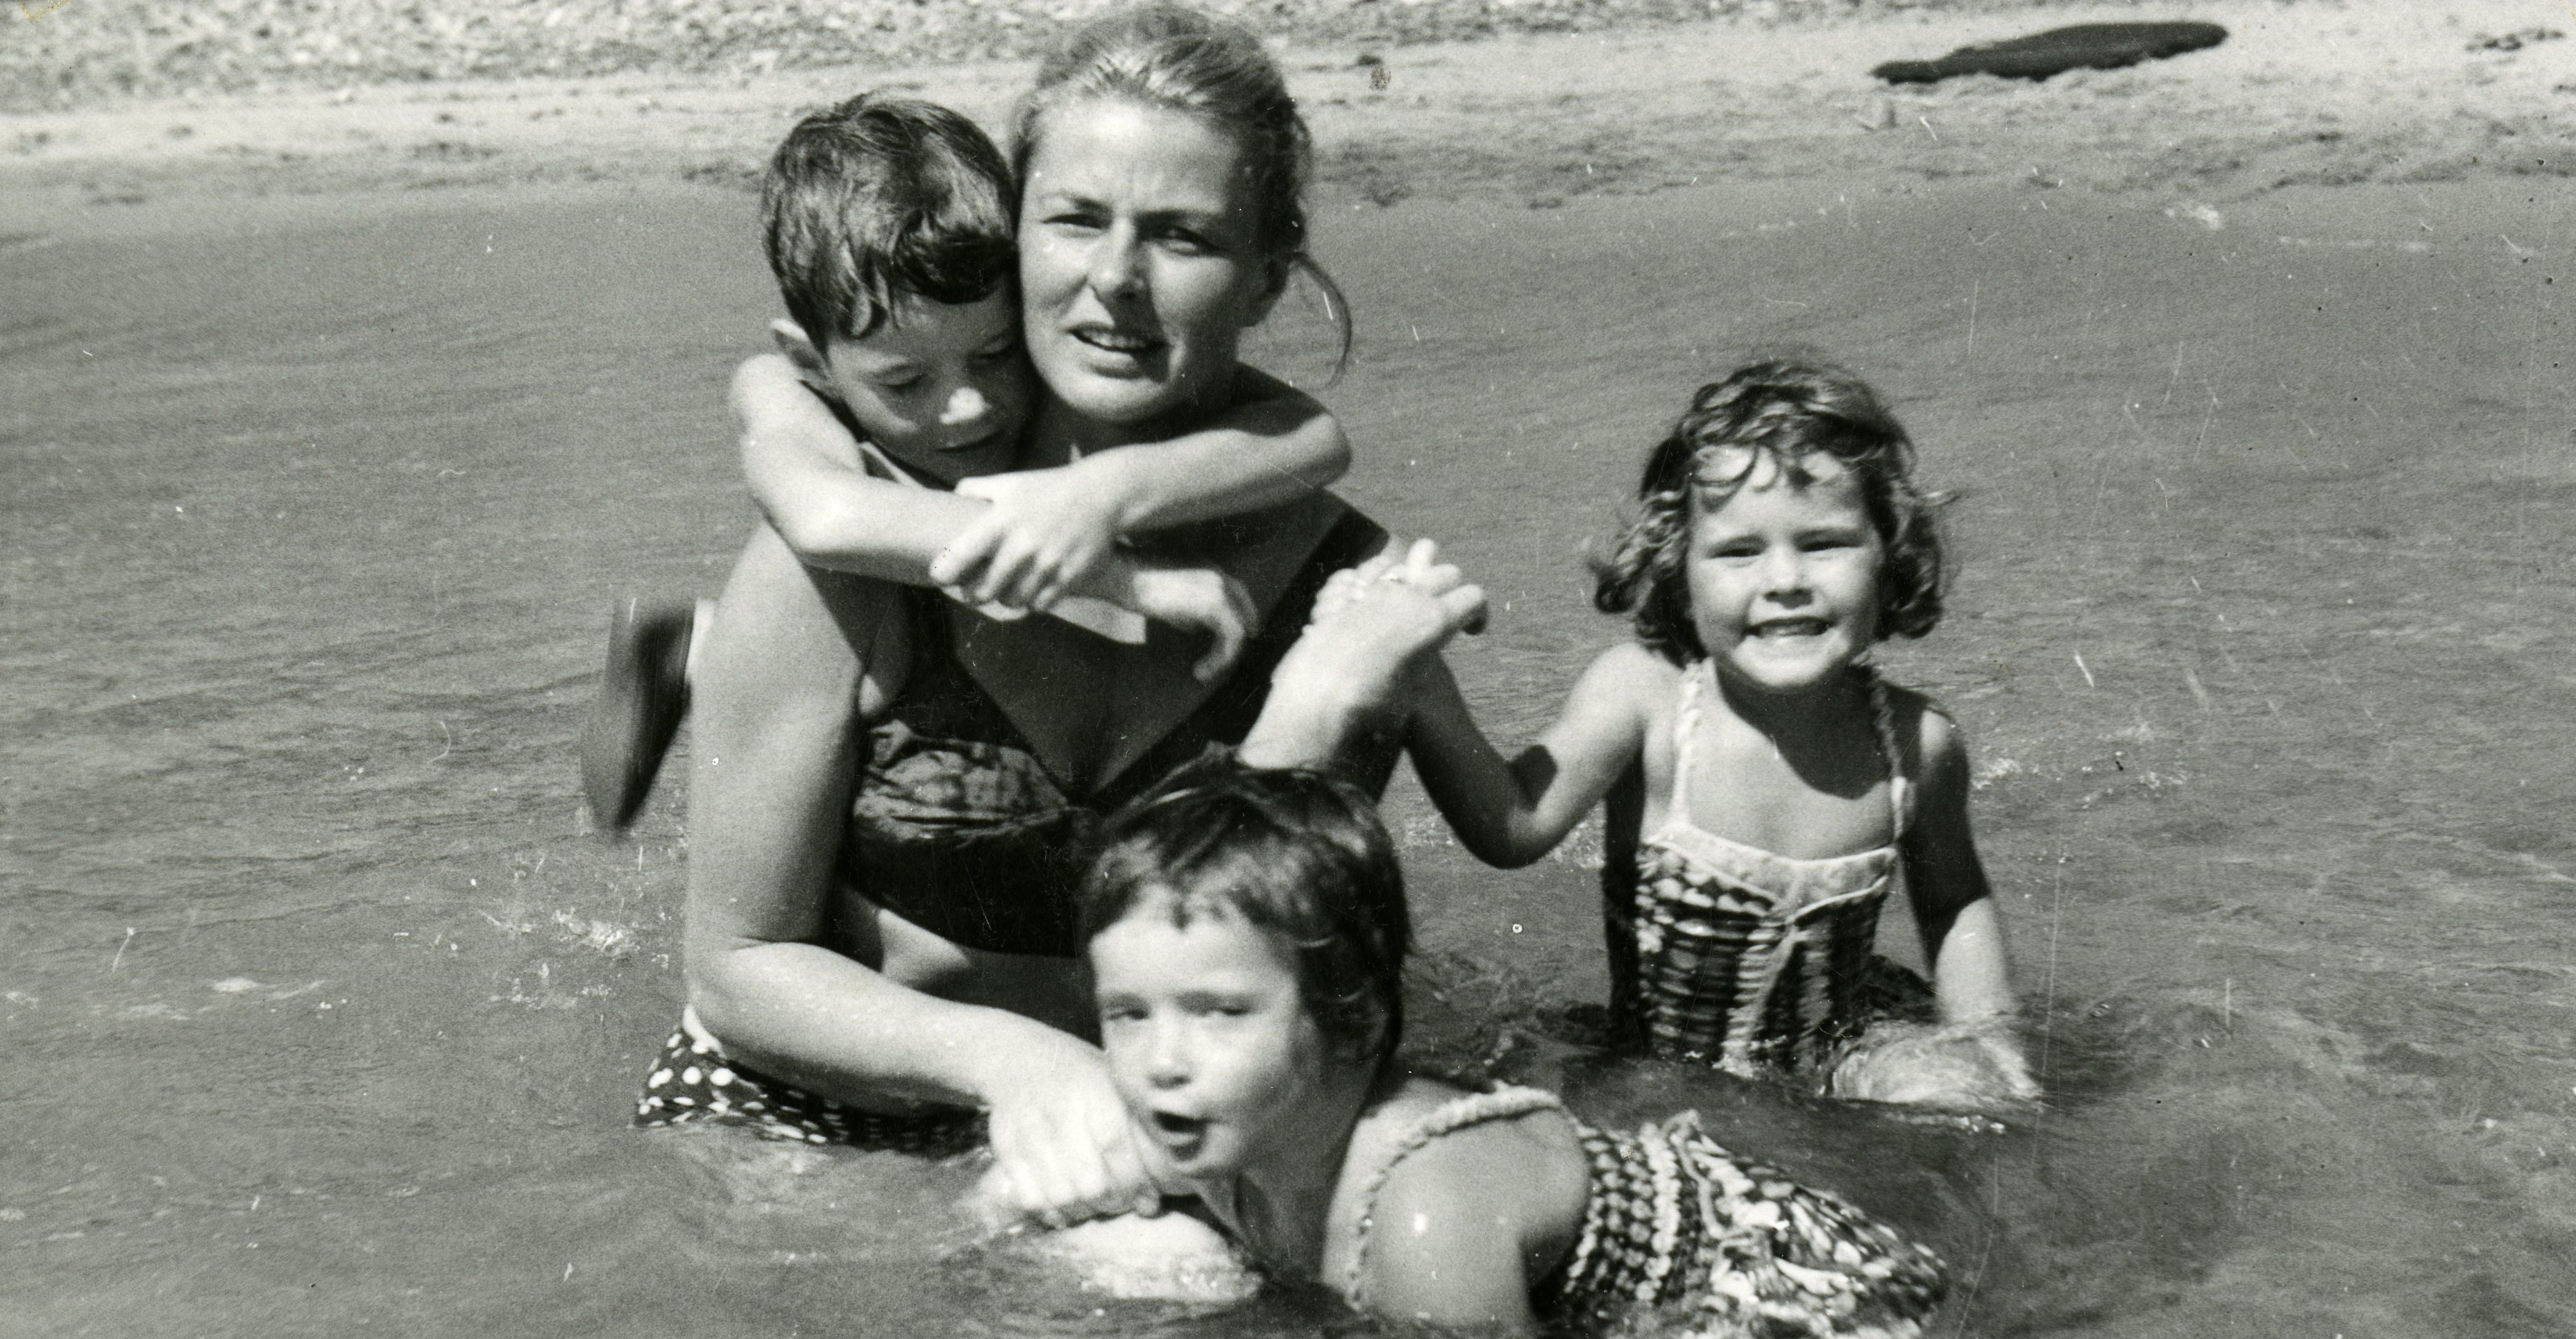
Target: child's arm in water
{"x":806,"y":471}
{"x":1511,"y":812}
{"x":1025,"y":539}
{"x":1962,"y":932}
{"x":1047,"y":527}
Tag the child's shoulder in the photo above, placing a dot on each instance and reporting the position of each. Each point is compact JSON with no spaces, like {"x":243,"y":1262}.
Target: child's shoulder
{"x":1633,"y":668}
{"x":1511,"y":1153}
{"x":1924,"y":728}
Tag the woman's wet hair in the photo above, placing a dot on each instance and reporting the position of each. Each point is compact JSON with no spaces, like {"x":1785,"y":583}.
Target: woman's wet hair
{"x":1299,"y":854}
{"x":1789,"y":409}
{"x":1175,"y":58}
{"x":884,"y":200}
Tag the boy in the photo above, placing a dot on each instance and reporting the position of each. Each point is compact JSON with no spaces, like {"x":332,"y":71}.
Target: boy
{"x":888,"y":224}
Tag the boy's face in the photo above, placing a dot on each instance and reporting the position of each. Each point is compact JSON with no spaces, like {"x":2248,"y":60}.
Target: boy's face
{"x":942,"y":388}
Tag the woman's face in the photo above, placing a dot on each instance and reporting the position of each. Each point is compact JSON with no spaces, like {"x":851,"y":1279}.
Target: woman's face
{"x":1140,"y":261}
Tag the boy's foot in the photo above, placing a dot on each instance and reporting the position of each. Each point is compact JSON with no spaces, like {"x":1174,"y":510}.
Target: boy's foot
{"x":642,"y":695}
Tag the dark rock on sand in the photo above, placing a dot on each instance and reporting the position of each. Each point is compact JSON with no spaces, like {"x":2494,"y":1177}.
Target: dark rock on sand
{"x":2096,"y":46}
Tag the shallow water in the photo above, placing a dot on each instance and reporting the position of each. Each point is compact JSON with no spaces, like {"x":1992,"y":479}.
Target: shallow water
{"x":324,"y":1014}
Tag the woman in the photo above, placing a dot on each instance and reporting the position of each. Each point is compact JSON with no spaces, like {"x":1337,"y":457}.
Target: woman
{"x":890,"y":799}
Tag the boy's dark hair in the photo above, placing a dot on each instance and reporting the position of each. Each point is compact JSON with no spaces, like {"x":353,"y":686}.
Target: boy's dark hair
{"x":1784,"y":407}
{"x":1300,"y":854}
{"x":883,"y":199}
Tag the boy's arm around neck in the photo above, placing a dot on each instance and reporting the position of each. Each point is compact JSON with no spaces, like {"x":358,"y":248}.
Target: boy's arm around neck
{"x":1049,"y":528}
{"x":1275,"y":444}
{"x":810,"y":478}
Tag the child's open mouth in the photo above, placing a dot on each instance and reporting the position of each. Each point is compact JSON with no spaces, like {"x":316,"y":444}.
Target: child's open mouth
{"x":1792,"y":627}
{"x":1180,"y":1133}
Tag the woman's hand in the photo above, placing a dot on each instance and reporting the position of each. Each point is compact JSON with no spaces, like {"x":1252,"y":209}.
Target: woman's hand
{"x":1347,"y":675}
{"x":1064,"y":1148}
{"x":1374,"y":622}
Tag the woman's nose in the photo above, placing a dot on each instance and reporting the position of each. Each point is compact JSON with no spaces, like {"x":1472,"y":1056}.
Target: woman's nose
{"x":965,"y":405}
{"x":1116,"y":268}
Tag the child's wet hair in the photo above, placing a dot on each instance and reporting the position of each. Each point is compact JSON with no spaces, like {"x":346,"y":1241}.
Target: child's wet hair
{"x":1175,"y":58}
{"x":1786,"y":408}
{"x":1297,"y":853}
{"x":882,"y":200}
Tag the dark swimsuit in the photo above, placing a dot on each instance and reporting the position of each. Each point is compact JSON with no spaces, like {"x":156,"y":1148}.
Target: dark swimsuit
{"x":960,"y":829}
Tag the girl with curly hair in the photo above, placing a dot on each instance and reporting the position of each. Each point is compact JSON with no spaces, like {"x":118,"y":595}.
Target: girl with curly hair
{"x":1766,"y":789}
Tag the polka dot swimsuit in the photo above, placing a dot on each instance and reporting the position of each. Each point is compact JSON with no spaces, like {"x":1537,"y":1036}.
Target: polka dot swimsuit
{"x":693,"y":1082}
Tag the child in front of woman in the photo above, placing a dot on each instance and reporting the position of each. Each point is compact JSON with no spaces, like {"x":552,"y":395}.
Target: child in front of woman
{"x":1766,"y":789}
{"x":1246,"y":932}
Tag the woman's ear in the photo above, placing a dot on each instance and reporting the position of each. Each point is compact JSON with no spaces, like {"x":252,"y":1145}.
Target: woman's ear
{"x":1274,"y":282}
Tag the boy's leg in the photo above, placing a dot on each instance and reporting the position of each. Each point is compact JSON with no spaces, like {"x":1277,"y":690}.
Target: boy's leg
{"x":643,"y":693}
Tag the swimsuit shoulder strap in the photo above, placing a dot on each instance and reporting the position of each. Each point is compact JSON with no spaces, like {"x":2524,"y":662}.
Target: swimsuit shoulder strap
{"x":1505,"y":1102}
{"x":1686,"y":729}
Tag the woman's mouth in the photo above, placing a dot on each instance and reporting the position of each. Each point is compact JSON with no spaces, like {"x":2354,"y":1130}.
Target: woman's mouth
{"x":1121,"y":343}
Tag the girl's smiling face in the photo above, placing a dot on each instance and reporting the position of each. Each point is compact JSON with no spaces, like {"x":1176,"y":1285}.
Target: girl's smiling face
{"x":1784,"y":575}
{"x":1140,"y":261}
{"x":1207,"y":1035}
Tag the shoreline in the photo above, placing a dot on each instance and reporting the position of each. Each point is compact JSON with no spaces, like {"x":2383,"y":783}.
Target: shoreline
{"x":2303,"y":93}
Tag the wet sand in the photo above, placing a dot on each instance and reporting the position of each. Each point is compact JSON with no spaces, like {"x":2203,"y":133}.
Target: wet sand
{"x":325,"y":1013}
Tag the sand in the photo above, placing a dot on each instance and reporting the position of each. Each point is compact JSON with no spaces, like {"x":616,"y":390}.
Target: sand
{"x":2301,"y":93}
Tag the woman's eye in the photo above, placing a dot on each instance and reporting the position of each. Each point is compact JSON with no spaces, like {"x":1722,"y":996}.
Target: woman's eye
{"x":897,"y":385}
{"x":1073,"y":221}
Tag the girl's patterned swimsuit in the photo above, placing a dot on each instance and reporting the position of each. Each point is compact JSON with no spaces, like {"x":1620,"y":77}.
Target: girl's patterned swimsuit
{"x":1675,"y":1219}
{"x":960,"y":829}
{"x":1752,"y":962}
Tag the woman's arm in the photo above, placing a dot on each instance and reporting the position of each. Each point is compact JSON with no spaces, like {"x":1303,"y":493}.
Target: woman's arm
{"x":1511,"y":812}
{"x":794,"y":659}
